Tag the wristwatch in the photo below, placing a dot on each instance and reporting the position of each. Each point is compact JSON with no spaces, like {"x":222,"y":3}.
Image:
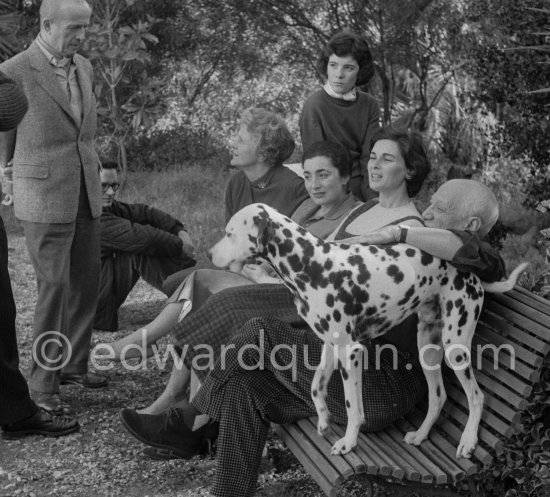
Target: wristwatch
{"x":403,"y":230}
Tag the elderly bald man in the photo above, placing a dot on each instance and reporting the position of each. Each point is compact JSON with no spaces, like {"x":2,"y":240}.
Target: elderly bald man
{"x":57,"y":195}
{"x":19,"y":415}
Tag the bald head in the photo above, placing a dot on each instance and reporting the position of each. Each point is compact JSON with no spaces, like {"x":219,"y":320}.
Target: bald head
{"x":63,"y":25}
{"x":462,"y":204}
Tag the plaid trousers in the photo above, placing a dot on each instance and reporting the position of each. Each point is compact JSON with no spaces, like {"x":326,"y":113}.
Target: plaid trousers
{"x":266,"y":377}
{"x":224,"y":313}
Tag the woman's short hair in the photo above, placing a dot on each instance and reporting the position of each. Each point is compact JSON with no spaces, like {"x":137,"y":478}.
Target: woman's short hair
{"x":276,"y":143}
{"x":346,"y":43}
{"x":413,"y":152}
{"x":338,"y":155}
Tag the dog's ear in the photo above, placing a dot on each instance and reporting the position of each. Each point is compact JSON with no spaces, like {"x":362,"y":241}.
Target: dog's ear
{"x":265,"y":232}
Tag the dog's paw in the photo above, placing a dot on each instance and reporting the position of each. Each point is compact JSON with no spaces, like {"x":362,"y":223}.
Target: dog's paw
{"x":341,"y":447}
{"x":322,"y":426}
{"x":414,"y":437}
{"x":466,"y":447}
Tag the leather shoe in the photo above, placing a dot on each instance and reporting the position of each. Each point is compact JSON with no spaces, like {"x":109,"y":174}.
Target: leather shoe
{"x":41,"y":423}
{"x":50,"y":402}
{"x":165,"y":431}
{"x":86,"y":380}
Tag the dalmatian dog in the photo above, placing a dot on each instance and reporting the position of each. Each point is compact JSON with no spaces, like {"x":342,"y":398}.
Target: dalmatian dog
{"x":350,"y":292}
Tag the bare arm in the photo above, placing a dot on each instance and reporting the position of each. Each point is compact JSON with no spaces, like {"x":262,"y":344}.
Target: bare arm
{"x":437,"y":242}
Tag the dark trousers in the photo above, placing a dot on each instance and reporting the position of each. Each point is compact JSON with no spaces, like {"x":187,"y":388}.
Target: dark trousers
{"x":15,"y":403}
{"x":66,"y":261}
{"x":120,"y":272}
{"x":266,"y":377}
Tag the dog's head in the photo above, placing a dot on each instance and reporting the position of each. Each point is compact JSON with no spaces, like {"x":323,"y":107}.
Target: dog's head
{"x":246,"y":236}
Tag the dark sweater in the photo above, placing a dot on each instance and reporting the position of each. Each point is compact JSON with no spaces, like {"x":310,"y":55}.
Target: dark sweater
{"x":352,"y":124}
{"x":139,"y":229}
{"x":279,"y":188}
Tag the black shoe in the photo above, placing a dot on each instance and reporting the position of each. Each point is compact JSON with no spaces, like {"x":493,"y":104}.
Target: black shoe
{"x":165,"y":431}
{"x":208,"y":445}
{"x":41,"y":423}
{"x":86,"y":380}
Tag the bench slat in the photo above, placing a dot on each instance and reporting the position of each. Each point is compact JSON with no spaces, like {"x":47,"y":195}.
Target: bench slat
{"x":375,"y":465}
{"x":458,"y":398}
{"x":500,"y":390}
{"x":531,"y":299}
{"x":513,"y":305}
{"x":421,"y":473}
{"x":488,"y":336}
{"x":504,"y":361}
{"x":504,"y":376}
{"x":438,"y":476}
{"x":539,"y":331}
{"x":387,"y":465}
{"x":452,"y":432}
{"x":490,"y":402}
{"x":325,"y":443}
{"x":442,"y":443}
{"x":459,"y":418}
{"x":324,"y":474}
{"x":515,"y":334}
{"x":452,"y":471}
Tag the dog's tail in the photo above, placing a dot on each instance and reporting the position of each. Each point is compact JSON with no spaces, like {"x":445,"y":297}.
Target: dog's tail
{"x":506,"y":285}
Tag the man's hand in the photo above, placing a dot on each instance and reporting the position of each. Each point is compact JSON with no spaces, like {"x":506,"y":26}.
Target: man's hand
{"x":6,"y":185}
{"x":188,"y":248}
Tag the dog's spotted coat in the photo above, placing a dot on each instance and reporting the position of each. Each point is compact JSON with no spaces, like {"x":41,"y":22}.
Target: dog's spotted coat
{"x":347,"y":293}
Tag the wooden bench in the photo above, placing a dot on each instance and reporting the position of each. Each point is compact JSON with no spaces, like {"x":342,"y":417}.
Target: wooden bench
{"x":518,"y":321}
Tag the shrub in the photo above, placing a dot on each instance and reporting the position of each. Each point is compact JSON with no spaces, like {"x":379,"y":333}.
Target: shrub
{"x":161,"y":149}
{"x":523,"y":469}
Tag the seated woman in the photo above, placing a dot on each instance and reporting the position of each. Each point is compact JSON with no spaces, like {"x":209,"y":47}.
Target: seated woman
{"x":341,"y":113}
{"x":397,"y":168}
{"x":261,"y":145}
{"x":245,"y":399}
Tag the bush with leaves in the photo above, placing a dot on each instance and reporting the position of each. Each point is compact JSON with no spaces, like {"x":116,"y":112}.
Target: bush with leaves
{"x":523,"y":468}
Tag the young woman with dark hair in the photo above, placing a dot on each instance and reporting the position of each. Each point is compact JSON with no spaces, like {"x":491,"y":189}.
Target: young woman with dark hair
{"x":340,"y":112}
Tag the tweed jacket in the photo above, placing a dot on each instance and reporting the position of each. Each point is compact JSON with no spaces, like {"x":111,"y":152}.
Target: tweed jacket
{"x":50,"y":150}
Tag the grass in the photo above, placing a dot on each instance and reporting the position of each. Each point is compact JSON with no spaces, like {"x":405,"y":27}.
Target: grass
{"x":193,"y":194}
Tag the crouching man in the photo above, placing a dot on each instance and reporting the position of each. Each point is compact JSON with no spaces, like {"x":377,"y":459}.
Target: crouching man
{"x":136,"y":241}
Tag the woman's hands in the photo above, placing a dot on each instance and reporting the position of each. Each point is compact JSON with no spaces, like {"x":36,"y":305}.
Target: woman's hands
{"x":260,"y":273}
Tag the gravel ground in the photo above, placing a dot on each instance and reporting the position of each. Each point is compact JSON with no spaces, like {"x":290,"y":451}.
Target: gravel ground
{"x":102,"y":460}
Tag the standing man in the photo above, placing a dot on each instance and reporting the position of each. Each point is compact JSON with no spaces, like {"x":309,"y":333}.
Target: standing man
{"x":19,"y":415}
{"x":58,"y":196}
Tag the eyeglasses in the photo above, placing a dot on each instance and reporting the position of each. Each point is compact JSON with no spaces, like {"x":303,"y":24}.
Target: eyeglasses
{"x":105,"y":187}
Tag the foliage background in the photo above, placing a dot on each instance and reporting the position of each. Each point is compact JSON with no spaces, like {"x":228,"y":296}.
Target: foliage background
{"x":173,"y":77}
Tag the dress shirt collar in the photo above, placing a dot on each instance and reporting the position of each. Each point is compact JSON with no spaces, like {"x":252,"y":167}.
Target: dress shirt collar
{"x":54,"y":57}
